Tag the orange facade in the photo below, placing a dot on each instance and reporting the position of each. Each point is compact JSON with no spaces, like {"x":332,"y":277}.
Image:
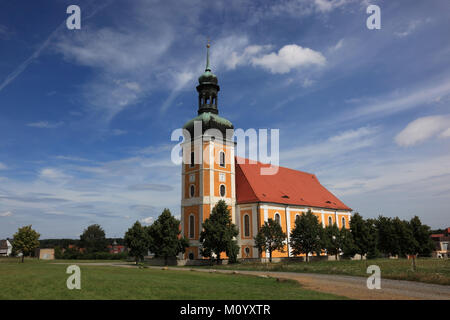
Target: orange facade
{"x":293,"y":213}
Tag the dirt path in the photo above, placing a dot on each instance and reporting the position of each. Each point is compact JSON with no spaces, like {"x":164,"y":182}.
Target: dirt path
{"x":348,"y":286}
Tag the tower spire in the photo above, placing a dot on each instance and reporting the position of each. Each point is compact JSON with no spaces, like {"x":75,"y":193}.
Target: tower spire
{"x":207,"y":88}
{"x":207,"y":56}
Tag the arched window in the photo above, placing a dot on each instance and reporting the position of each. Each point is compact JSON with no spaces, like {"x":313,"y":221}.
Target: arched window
{"x":222,"y":158}
{"x":246,"y":225}
{"x":277,"y":218}
{"x":343,"y":222}
{"x":191,"y":256}
{"x":247,"y":251}
{"x":222,"y":190}
{"x":191,"y":226}
{"x":297,"y":217}
{"x":192,"y":159}
{"x":192,"y":190}
{"x":330,"y":221}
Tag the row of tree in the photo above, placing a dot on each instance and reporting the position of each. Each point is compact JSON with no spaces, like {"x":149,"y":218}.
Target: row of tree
{"x":162,"y":238}
{"x":371,"y":238}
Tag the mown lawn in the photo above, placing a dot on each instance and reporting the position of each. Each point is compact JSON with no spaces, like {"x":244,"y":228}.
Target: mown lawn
{"x":427,"y":269}
{"x":45,"y":280}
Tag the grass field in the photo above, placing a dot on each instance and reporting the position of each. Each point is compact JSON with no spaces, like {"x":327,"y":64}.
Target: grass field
{"x":45,"y":280}
{"x":427,"y":270}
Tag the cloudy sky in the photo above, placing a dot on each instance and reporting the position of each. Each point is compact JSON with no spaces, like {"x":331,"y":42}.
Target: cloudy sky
{"x":86,"y":115}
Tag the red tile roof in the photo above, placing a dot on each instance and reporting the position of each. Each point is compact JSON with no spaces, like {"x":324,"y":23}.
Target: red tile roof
{"x":287,"y":186}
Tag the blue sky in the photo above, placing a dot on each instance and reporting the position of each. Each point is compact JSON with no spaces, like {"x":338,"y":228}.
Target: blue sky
{"x":86,"y":115}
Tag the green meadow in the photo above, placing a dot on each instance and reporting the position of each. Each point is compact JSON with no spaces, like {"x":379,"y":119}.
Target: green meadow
{"x":427,"y":269}
{"x":45,"y":280}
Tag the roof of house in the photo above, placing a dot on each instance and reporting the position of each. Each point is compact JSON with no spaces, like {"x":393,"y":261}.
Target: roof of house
{"x":287,"y":186}
{"x":3,"y":244}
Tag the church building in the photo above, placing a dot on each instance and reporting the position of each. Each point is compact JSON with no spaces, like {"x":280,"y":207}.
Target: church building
{"x":212,"y":172}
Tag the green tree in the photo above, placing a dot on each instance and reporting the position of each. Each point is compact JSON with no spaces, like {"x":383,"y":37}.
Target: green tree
{"x":406,"y":243}
{"x":270,"y":237}
{"x":306,"y":235}
{"x":232,"y":251}
{"x":166,"y":241}
{"x":360,"y":233}
{"x":58,"y":252}
{"x":333,"y":240}
{"x":372,"y":249}
{"x":421,"y":234}
{"x":348,"y":245}
{"x":137,"y":240}
{"x":387,"y":238}
{"x":218,"y":232}
{"x":93,"y":239}
{"x":26,"y":240}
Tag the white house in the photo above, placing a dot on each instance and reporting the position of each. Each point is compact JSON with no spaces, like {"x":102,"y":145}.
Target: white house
{"x":5,"y":248}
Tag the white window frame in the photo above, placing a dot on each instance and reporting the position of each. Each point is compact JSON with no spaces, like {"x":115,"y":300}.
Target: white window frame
{"x":275,"y":218}
{"x":220,"y":159}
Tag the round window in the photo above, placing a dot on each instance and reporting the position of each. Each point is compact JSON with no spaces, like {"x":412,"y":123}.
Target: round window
{"x":191,"y":256}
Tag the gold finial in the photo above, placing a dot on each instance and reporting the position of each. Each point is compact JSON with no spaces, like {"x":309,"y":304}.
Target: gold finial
{"x":208,"y":44}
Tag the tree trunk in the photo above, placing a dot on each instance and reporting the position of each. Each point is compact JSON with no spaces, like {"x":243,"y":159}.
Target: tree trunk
{"x":137,"y":260}
{"x":270,"y":256}
{"x":306,"y":257}
{"x":218,"y":258}
{"x":23,"y":256}
{"x":414,"y":262}
{"x":165,"y":261}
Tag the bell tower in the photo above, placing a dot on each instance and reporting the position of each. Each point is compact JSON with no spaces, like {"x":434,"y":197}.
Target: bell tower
{"x":208,"y":169}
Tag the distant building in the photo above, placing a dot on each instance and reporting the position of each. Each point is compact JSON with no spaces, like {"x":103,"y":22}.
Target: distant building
{"x":115,"y":248}
{"x":72,"y":246}
{"x":5,"y":248}
{"x":442,"y":240}
{"x":45,"y":254}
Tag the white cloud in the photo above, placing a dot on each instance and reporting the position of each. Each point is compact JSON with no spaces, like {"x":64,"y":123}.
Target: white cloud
{"x":411,"y":27}
{"x":45,"y":124}
{"x":246,"y":56}
{"x":445,"y":133}
{"x":3,"y":166}
{"x":422,"y":129}
{"x":399,"y":101}
{"x":6,"y":214}
{"x":148,"y":220}
{"x":337,"y":145}
{"x":288,"y":58}
{"x":329,"y":5}
{"x":53,"y":174}
{"x":337,"y":46}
